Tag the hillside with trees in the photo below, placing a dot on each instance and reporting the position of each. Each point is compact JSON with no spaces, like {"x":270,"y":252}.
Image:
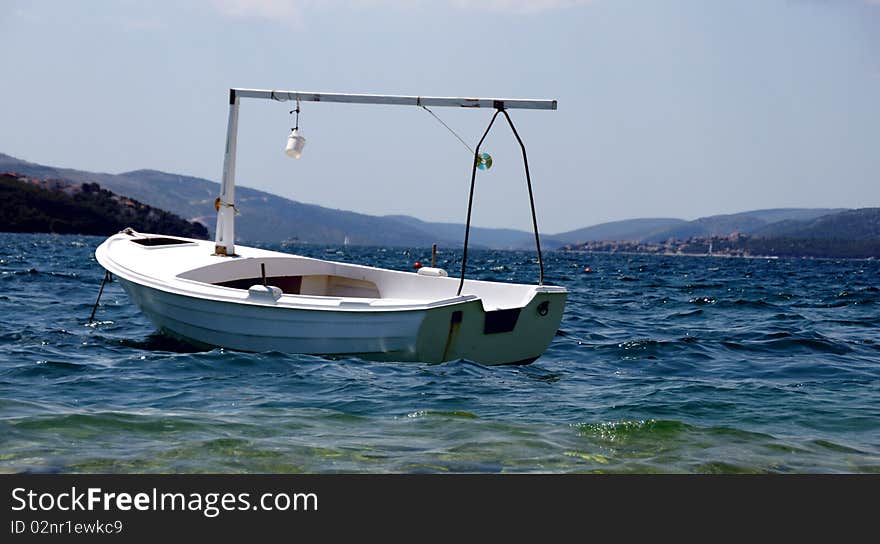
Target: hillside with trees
{"x":64,"y":207}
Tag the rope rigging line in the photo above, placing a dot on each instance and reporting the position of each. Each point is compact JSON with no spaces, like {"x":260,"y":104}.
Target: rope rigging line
{"x":464,"y":143}
{"x":218,"y":202}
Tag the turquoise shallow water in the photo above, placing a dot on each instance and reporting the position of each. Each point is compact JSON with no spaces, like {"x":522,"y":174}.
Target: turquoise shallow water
{"x":662,"y":364}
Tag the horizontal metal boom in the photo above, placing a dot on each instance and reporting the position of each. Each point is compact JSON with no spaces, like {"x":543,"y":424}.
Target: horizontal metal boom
{"x":394,"y":100}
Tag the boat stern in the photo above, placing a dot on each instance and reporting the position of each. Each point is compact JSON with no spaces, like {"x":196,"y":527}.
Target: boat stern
{"x":516,"y":335}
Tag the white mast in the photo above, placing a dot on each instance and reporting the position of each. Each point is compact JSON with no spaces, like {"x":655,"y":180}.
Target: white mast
{"x":224,"y":239}
{"x":225,"y":203}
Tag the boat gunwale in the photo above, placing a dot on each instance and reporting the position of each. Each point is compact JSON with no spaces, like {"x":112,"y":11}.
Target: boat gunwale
{"x":287,"y":301}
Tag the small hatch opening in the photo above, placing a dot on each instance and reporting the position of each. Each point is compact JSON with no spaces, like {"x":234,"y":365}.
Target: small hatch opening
{"x":501,"y":320}
{"x":160,"y":241}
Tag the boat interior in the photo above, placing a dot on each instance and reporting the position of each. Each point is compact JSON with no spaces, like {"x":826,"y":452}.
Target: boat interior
{"x":293,"y":275}
{"x":296,"y":275}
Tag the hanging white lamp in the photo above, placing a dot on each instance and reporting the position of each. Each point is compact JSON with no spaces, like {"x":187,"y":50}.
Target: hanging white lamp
{"x":295,"y":142}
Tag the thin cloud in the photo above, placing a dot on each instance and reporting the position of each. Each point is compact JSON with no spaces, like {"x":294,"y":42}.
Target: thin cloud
{"x":293,"y":11}
{"x":517,"y":6}
{"x":286,"y":10}
{"x":146,"y":23}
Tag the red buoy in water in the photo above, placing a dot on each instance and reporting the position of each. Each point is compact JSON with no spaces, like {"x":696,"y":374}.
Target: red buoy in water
{"x":417,"y":265}
{"x":588,"y":269}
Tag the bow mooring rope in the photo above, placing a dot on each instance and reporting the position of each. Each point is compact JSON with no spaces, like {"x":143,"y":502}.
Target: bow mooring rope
{"x":107,"y":277}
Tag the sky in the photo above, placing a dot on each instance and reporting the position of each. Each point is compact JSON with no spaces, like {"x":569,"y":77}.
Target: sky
{"x":679,"y":108}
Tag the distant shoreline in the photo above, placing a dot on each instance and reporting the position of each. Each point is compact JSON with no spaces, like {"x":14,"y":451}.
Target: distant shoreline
{"x":718,"y":255}
{"x":257,"y":243}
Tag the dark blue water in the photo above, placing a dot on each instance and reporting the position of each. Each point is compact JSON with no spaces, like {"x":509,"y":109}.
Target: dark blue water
{"x":662,"y":364}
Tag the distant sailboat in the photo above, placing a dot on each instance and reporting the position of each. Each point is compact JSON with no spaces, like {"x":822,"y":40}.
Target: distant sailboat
{"x":345,"y":242}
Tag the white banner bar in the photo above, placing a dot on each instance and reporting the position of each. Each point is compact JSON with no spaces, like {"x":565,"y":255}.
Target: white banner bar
{"x":496,"y":103}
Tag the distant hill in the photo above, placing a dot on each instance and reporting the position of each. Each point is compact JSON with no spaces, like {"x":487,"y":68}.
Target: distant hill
{"x":271,"y":218}
{"x":267,"y":217}
{"x":264,"y":216}
{"x":628,"y":229}
{"x":847,"y":234}
{"x":859,"y":224}
{"x":453,"y":233}
{"x":742,"y":223}
{"x":65,"y":207}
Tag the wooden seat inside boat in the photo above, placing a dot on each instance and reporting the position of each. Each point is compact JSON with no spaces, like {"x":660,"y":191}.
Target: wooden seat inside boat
{"x":322,"y":285}
{"x":293,"y":275}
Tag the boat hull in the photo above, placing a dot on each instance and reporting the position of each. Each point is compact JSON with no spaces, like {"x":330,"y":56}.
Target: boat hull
{"x":433,"y":335}
{"x":262,"y":328}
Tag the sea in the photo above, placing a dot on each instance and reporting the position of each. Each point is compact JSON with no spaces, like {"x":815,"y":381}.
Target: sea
{"x":662,"y":364}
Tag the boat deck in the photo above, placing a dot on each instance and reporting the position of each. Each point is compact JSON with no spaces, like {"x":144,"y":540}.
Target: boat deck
{"x":187,"y":266}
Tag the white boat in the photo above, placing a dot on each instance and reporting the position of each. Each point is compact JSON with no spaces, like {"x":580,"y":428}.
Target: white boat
{"x":244,"y":298}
